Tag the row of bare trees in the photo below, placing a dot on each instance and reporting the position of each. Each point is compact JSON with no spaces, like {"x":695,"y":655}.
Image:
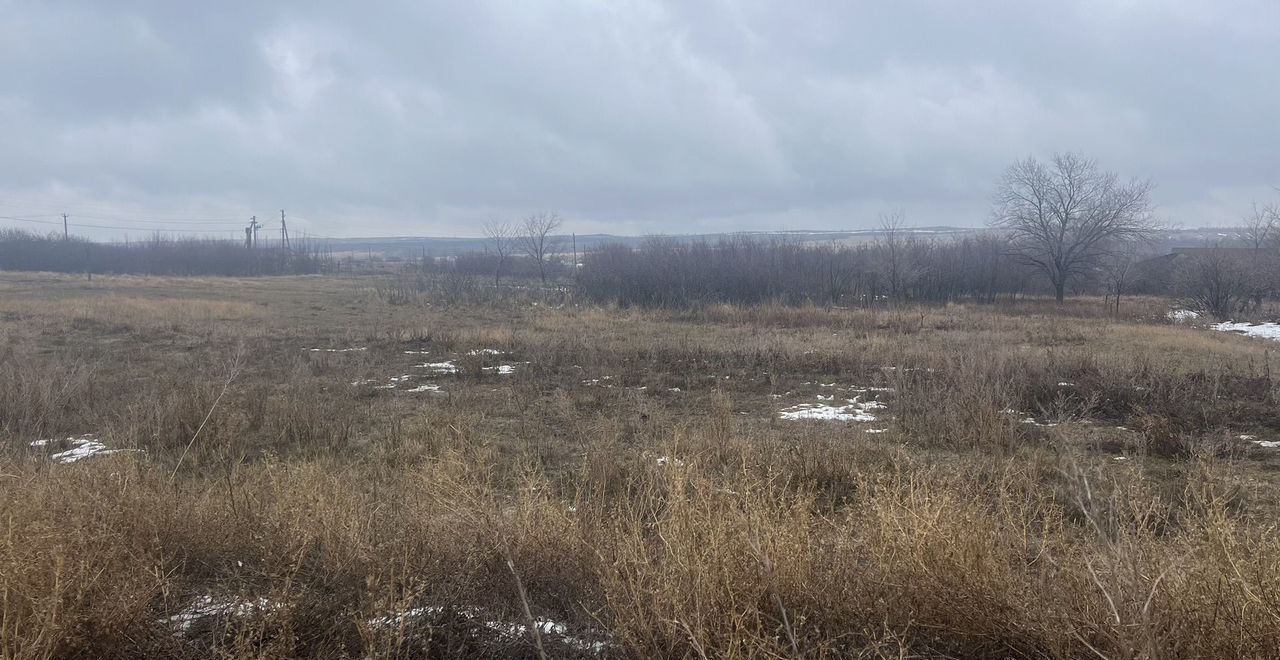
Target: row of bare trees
{"x":534,"y":236}
{"x":744,"y":270}
{"x":159,"y":254}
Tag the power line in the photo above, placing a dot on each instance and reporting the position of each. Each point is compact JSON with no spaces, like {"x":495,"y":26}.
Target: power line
{"x":164,"y":218}
{"x":89,"y":226}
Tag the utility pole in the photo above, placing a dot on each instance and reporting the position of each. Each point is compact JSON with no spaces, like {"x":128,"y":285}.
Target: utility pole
{"x":284,"y":232}
{"x":66,"y":236}
{"x":252,"y":231}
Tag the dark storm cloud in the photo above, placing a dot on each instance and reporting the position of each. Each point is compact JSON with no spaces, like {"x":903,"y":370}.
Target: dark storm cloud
{"x":639,"y":116}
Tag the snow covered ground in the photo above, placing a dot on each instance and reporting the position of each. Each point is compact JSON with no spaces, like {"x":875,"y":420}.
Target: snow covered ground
{"x":855,"y":411}
{"x":79,"y":448}
{"x":1259,"y":330}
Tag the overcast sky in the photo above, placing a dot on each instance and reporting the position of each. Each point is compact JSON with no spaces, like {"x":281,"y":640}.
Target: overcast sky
{"x":626,"y":116}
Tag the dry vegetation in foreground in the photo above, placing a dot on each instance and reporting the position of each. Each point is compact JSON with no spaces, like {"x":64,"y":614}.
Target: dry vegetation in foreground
{"x":1041,"y":482}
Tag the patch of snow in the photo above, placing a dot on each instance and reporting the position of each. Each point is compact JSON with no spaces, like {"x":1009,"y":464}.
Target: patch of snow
{"x":82,"y":447}
{"x":1257,"y":330}
{"x":427,"y":387}
{"x":1120,"y":458}
{"x":1246,"y":436}
{"x":556,"y":630}
{"x":1032,"y":421}
{"x":446,"y":367}
{"x":336,"y":350}
{"x":366,"y":381}
{"x":417,"y":352}
{"x":1267,"y":444}
{"x":667,"y":460}
{"x":1066,"y":384}
{"x":673,"y":389}
{"x":874,"y":430}
{"x":485,"y":351}
{"x":1181,"y":315}
{"x":856,"y":411}
{"x":208,"y":606}
{"x":504,"y":369}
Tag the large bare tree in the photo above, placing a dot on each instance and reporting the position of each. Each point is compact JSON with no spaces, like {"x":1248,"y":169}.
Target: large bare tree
{"x":898,"y":253}
{"x":502,"y":238}
{"x":1063,"y":217}
{"x":539,"y":241}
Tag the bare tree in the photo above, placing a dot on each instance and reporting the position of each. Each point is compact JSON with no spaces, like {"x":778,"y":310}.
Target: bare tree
{"x":1119,"y":268}
{"x":1260,"y":226}
{"x":1262,"y":233}
{"x":1062,"y":217}
{"x":502,"y":238}
{"x":1214,"y":280}
{"x":899,"y":266}
{"x":539,"y":241}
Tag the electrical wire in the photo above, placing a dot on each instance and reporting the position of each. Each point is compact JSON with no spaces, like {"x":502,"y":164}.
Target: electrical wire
{"x":225,"y":229}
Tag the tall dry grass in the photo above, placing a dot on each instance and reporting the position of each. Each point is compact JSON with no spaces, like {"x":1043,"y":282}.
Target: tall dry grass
{"x":312,"y":518}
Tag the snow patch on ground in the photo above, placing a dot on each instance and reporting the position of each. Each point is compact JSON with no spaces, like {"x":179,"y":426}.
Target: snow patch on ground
{"x":428,"y":387}
{"x":1182,"y":315}
{"x":855,"y":411}
{"x":82,"y":447}
{"x":485,"y":351}
{"x":446,"y":367}
{"x":208,"y":606}
{"x":337,"y":350}
{"x":667,"y":460}
{"x":1258,"y":330}
{"x":546,"y":627}
{"x":504,"y":369}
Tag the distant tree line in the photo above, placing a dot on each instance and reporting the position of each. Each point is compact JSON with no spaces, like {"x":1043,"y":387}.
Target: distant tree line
{"x":744,"y":270}
{"x":157,"y":255}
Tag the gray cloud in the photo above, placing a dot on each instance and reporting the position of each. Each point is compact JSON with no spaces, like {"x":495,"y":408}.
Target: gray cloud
{"x":631,"y":116}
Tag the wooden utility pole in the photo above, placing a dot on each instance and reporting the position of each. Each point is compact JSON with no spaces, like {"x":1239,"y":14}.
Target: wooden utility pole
{"x":284,"y":232}
{"x":252,"y":231}
{"x":66,"y":236}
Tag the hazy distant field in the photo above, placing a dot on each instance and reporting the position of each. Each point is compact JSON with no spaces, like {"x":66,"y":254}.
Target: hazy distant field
{"x":296,"y":467}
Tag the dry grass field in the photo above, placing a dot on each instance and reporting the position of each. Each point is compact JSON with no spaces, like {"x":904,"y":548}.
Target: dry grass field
{"x":294,"y":467}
